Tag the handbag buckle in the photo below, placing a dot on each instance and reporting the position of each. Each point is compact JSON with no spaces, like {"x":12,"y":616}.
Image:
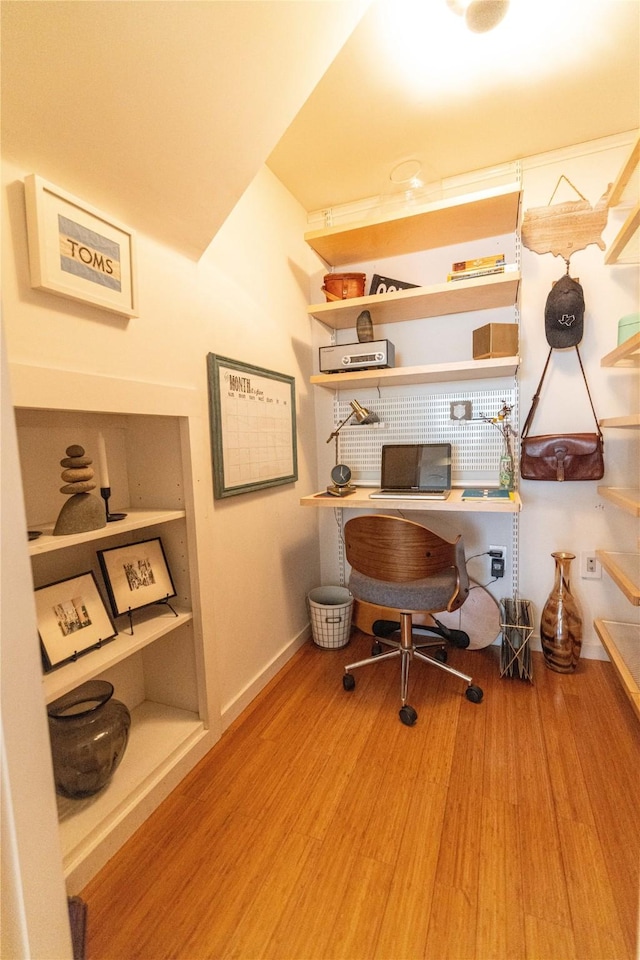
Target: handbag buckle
{"x":560,"y":453}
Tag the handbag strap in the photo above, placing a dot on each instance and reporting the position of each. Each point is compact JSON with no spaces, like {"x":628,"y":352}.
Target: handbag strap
{"x":536,"y":396}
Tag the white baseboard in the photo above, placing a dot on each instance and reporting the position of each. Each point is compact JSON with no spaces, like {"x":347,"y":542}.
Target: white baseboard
{"x":592,"y":649}
{"x":232,"y":710}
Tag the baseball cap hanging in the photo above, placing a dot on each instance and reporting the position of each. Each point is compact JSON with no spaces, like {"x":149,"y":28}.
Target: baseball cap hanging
{"x":564,"y":313}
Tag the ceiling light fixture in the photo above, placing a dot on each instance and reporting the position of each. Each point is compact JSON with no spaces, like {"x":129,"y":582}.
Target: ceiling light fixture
{"x":407,"y":174}
{"x":480,"y":16}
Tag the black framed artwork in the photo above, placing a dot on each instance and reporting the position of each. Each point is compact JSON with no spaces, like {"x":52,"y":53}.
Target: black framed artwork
{"x":136,"y":575}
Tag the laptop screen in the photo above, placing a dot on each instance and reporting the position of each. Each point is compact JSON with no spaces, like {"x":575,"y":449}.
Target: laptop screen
{"x":416,"y":466}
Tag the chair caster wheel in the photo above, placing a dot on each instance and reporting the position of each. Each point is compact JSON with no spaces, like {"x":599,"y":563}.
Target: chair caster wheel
{"x":440,"y":656}
{"x":376,"y":649}
{"x":349,"y":683}
{"x":408,"y":715}
{"x":474,"y":693}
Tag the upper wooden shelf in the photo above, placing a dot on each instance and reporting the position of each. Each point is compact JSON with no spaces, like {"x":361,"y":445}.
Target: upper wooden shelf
{"x":627,"y":498}
{"x":624,"y":570}
{"x":439,"y":300}
{"x":626,"y":355}
{"x":632,"y":420}
{"x":429,"y":373}
{"x":625,"y":247}
{"x":620,"y":640}
{"x":487,"y":213}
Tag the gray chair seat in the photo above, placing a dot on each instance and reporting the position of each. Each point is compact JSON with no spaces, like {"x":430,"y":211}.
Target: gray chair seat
{"x":429,"y":593}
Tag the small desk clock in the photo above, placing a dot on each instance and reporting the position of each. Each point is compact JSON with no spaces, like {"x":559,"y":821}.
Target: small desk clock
{"x":341,"y":486}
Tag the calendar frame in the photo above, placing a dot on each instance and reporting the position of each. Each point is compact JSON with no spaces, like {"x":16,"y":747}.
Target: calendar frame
{"x":269,"y":456}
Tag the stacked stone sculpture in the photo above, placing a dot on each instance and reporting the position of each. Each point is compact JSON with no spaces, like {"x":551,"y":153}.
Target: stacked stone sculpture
{"x":82,"y":511}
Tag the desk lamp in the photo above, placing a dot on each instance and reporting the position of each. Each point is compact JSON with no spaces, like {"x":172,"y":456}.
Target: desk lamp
{"x":341,"y":485}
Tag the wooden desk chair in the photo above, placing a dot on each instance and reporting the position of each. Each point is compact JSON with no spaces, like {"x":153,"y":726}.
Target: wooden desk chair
{"x":401,"y":575}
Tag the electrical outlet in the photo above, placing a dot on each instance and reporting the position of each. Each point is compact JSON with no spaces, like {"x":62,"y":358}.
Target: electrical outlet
{"x":590,"y":566}
{"x":498,"y":556}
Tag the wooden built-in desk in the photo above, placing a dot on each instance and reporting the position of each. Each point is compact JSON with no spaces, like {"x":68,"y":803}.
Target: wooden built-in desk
{"x":360,"y":500}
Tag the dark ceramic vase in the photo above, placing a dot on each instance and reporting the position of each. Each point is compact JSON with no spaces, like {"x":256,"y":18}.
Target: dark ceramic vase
{"x":561,"y":623}
{"x":89,"y":731}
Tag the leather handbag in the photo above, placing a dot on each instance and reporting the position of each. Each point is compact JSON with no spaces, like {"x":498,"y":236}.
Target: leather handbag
{"x":564,"y":456}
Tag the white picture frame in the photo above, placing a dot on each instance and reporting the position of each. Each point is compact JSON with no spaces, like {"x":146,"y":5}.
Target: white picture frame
{"x":75,"y":251}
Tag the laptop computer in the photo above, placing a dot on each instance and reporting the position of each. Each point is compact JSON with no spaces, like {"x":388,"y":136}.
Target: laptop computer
{"x":415,"y":471}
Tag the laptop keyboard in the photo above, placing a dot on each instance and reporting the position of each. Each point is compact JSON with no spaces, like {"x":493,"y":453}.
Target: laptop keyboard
{"x":409,"y":495}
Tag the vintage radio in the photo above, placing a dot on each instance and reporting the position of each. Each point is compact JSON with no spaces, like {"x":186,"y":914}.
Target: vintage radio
{"x":357,"y":356}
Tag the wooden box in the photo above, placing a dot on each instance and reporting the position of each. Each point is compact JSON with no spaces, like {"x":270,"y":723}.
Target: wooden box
{"x":495,"y":340}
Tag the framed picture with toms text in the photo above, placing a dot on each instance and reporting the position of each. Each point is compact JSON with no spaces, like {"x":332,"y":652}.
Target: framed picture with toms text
{"x":76,"y":251}
{"x":136,"y":575}
{"x":72,"y":619}
{"x":253,"y":427}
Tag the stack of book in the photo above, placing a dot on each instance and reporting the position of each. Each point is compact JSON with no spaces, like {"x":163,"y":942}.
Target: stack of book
{"x":481,"y":267}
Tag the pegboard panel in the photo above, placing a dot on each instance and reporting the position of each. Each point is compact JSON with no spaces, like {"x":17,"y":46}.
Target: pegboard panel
{"x":476,"y":445}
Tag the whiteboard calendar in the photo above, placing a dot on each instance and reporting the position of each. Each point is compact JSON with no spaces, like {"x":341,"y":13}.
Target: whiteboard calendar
{"x":253,"y":427}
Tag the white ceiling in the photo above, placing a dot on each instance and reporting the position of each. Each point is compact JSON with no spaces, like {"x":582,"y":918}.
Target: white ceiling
{"x":412,"y":82}
{"x":161,"y":112}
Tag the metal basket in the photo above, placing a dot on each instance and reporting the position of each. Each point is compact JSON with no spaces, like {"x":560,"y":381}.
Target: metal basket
{"x":330,"y":610}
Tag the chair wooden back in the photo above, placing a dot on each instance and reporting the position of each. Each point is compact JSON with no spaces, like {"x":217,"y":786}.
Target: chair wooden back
{"x":395,"y":549}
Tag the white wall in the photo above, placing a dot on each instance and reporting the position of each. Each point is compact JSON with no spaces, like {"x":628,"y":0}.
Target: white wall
{"x":573,"y":517}
{"x":555,"y":516}
{"x":246,"y":299}
{"x":30,"y":874}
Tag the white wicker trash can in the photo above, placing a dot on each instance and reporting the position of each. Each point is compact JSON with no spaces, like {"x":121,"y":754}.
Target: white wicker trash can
{"x":330,"y":611}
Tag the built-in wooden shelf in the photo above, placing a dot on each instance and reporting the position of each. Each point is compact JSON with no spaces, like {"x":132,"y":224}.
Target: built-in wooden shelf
{"x":438,"y":300}
{"x":625,"y":355}
{"x":155,"y":661}
{"x":135,"y":520}
{"x":429,"y":373}
{"x":625,"y":247}
{"x":160,"y":738}
{"x":621,"y":642}
{"x":627,"y":498}
{"x":632,"y":420}
{"x":624,"y":570}
{"x":149,"y":624}
{"x":486,"y":213}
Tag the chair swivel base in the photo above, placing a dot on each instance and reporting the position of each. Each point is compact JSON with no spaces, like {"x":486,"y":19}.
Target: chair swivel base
{"x":406,"y":649}
{"x":460,"y":639}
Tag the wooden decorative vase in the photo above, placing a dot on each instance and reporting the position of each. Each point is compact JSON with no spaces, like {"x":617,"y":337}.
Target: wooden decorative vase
{"x":561,"y":623}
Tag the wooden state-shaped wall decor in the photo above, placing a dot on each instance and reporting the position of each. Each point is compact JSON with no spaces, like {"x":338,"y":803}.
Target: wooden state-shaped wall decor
{"x":564,"y":228}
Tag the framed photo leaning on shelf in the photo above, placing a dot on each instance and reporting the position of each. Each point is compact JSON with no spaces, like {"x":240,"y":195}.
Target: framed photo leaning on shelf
{"x":76,"y":251}
{"x":72,"y":619}
{"x":136,"y":575}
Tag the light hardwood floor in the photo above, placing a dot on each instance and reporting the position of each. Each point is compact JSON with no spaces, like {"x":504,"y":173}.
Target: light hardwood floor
{"x":321,"y":827}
